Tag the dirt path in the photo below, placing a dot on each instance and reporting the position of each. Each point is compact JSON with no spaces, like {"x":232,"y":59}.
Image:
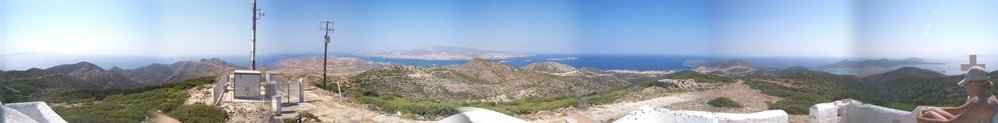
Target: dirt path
{"x":328,"y":108}
{"x":750,"y":99}
{"x":610,"y":112}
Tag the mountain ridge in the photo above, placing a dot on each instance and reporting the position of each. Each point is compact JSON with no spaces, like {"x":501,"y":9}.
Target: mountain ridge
{"x":881,"y":63}
{"x":88,"y":72}
{"x":86,"y":76}
{"x":158,"y":74}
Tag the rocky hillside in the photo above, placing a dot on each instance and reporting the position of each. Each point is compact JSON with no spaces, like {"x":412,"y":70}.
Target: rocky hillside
{"x":917,"y":86}
{"x":34,"y":83}
{"x":903,"y":74}
{"x":158,"y":74}
{"x":311,"y":67}
{"x":39,"y":84}
{"x":902,"y":88}
{"x":478,"y":80}
{"x":553,"y":68}
{"x":85,"y":76}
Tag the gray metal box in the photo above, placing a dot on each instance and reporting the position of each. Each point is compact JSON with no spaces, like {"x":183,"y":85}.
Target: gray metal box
{"x":246,"y":84}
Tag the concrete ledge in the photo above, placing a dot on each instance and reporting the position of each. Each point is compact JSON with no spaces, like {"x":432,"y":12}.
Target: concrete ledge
{"x":35,"y":111}
{"x":852,"y":111}
{"x":649,"y":114}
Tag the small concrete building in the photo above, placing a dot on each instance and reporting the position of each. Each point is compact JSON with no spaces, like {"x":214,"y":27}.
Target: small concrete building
{"x":246,"y":84}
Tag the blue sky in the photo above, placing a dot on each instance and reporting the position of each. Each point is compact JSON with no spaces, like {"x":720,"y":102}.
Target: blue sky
{"x":782,"y":28}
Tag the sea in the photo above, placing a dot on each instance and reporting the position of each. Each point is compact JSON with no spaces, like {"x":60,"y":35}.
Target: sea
{"x":949,"y":64}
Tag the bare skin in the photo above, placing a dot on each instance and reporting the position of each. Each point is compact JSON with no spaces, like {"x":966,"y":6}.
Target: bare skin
{"x":972,"y":111}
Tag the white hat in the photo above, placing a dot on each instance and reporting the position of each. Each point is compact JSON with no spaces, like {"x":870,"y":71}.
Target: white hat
{"x":975,"y":73}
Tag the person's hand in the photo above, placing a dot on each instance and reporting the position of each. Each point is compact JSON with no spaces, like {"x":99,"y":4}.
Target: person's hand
{"x":921,"y":113}
{"x":921,"y":117}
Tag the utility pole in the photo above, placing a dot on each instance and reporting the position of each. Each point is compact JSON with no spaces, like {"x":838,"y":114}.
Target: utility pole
{"x":256,"y":16}
{"x":329,"y":29}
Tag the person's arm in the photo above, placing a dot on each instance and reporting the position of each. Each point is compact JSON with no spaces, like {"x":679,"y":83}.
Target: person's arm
{"x":928,"y":116}
{"x":924,"y":120}
{"x":961,"y":108}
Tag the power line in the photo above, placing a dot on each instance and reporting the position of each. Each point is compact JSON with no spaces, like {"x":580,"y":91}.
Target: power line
{"x":296,"y":55}
{"x":328,"y":27}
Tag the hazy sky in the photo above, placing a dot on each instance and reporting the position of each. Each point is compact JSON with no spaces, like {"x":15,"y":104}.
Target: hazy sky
{"x":833,"y":28}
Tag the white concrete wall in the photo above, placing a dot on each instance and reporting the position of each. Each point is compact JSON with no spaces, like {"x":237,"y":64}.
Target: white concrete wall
{"x":851,"y":111}
{"x":480,"y":115}
{"x":12,"y":116}
{"x":649,"y":114}
{"x":38,"y":111}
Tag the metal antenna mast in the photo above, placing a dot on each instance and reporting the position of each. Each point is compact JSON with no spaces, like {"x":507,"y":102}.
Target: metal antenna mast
{"x":325,"y":53}
{"x":256,"y":16}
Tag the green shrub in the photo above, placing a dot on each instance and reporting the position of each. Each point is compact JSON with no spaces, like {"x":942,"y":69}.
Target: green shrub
{"x":199,"y":113}
{"x":128,"y":105}
{"x":330,"y":86}
{"x":724,"y":102}
{"x":392,"y":103}
{"x":306,"y":117}
{"x":799,"y":103}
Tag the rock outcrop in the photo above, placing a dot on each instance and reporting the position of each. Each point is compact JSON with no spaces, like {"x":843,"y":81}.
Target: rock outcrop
{"x":677,"y":83}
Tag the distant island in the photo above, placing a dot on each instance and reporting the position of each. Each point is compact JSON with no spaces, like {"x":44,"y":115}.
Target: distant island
{"x":736,"y":67}
{"x":446,"y":53}
{"x":880,"y":63}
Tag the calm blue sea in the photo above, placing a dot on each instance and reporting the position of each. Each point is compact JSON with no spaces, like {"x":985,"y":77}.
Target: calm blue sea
{"x":626,"y":62}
